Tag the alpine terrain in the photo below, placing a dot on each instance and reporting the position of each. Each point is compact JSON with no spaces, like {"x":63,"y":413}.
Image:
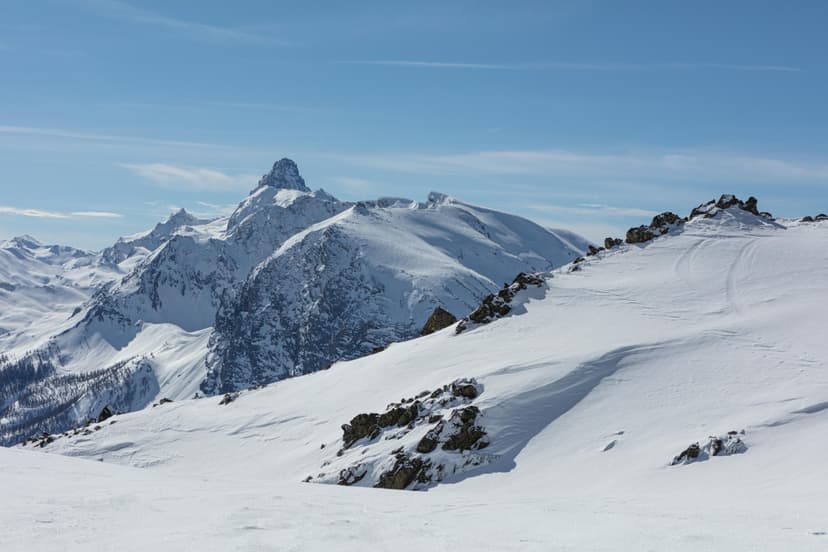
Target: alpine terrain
{"x":666,"y":391}
{"x":291,"y":282}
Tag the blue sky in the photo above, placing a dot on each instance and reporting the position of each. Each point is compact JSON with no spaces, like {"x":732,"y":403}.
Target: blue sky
{"x":589,"y":115}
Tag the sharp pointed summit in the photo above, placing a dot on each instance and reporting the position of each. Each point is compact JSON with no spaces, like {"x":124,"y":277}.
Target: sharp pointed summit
{"x":284,"y":175}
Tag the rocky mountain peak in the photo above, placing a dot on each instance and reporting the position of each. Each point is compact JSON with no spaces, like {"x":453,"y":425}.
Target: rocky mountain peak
{"x":284,"y":175}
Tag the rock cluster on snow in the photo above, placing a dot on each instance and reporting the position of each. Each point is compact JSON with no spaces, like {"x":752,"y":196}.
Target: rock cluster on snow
{"x":726,"y":201}
{"x":724,"y":445}
{"x":818,"y":218}
{"x":660,"y":225}
{"x":45,"y":438}
{"x":439,"y":433}
{"x":496,"y":305}
{"x":667,"y":222}
{"x":439,"y":320}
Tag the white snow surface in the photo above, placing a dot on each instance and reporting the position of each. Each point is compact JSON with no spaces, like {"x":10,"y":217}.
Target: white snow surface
{"x":603,"y":377}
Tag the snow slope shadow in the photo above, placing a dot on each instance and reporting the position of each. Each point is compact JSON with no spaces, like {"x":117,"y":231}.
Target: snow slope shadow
{"x":519,"y":418}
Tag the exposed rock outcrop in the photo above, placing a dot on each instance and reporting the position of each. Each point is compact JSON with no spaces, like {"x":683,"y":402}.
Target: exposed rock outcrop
{"x":609,"y":243}
{"x":660,"y":225}
{"x":284,"y":175}
{"x":723,"y":445}
{"x":496,"y":306}
{"x":439,"y":319}
{"x":105,"y":414}
{"x":726,"y":201}
{"x":439,"y":432}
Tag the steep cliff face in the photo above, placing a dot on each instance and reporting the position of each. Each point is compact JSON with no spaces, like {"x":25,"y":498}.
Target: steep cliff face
{"x":366,"y":278}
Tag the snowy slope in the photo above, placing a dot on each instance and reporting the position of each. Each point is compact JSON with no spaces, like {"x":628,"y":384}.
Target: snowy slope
{"x":585,"y":394}
{"x":292,"y":281}
{"x":365,"y":278}
{"x":40,"y":285}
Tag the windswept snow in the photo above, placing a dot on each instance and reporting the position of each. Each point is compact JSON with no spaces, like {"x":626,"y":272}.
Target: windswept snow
{"x":605,"y":376}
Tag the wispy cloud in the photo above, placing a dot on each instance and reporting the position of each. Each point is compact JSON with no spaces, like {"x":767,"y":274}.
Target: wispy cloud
{"x":569,"y":66}
{"x":71,"y":134}
{"x":124,"y":11}
{"x":195,"y":178}
{"x":644,"y":165}
{"x":96,"y":214}
{"x":39,"y":213}
{"x":34,"y":213}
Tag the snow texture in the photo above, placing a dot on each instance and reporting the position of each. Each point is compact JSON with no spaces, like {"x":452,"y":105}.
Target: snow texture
{"x":586,"y":394}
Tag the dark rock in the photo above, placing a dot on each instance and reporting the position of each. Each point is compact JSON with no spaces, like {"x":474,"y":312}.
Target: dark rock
{"x":660,"y":225}
{"x":465,"y":435}
{"x":399,"y":416}
{"x":726,"y":201}
{"x":751,"y":205}
{"x":639,"y":235}
{"x":165,"y":400}
{"x":105,"y":414}
{"x":578,"y":260}
{"x":807,"y":219}
{"x":497,"y":305}
{"x":464,"y":388}
{"x":821,"y":216}
{"x":438,"y":320}
{"x":362,"y":425}
{"x":690,"y":453}
{"x":427,"y":444}
{"x":405,"y":471}
{"x":609,"y":243}
{"x":592,"y":250}
{"x":665,"y":219}
{"x":227,"y":399}
{"x":352,"y":475}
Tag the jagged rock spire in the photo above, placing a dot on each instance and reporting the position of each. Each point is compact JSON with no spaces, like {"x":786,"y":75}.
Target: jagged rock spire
{"x":285,"y":175}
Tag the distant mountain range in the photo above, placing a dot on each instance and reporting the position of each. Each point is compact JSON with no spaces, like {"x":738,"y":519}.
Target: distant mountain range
{"x":291,"y":282}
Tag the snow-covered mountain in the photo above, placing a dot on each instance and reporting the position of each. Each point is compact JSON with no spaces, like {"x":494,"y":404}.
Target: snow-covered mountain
{"x":291,"y":282}
{"x":664,"y":394}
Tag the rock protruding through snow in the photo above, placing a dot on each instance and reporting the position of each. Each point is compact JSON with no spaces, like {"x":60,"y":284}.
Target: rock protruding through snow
{"x":724,"y":445}
{"x":439,"y":320}
{"x":497,"y":305}
{"x":414,"y":444}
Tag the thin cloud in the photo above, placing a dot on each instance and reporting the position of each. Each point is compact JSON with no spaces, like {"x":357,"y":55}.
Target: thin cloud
{"x":635,"y":165}
{"x":96,"y":214}
{"x":33,"y":213}
{"x":196,"y":178}
{"x":568,"y":66}
{"x":71,"y":134}
{"x":123,"y":11}
{"x":39,"y":213}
